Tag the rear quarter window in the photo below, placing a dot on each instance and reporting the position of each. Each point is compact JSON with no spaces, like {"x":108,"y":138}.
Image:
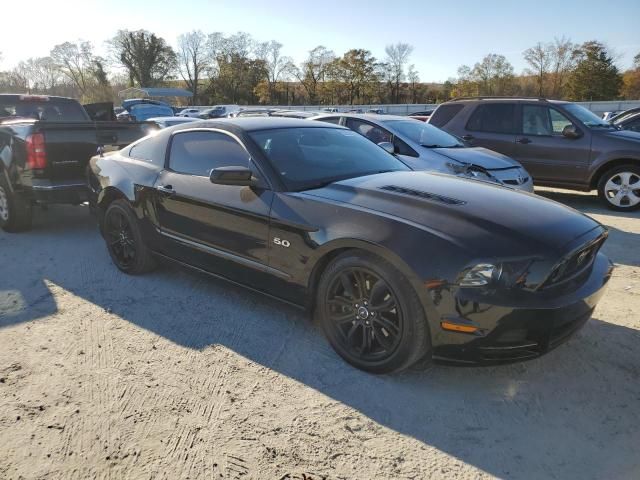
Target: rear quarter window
{"x":493,"y":118}
{"x":151,"y":149}
{"x":444,"y":114}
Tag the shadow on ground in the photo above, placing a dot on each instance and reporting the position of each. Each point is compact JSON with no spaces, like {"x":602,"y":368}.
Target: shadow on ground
{"x":574,"y":410}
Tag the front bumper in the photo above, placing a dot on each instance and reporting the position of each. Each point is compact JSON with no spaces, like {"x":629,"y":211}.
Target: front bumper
{"x":516,"y":329}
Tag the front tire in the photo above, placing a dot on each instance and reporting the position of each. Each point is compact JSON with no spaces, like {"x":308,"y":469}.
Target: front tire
{"x":371,"y":314}
{"x":619,"y":188}
{"x":122,"y":234}
{"x":16,"y":212}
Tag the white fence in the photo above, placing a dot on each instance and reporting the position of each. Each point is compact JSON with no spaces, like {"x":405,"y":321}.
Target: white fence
{"x":405,"y":109}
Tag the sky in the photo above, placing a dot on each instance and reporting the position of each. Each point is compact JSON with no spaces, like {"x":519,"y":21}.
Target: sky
{"x":444,"y":34}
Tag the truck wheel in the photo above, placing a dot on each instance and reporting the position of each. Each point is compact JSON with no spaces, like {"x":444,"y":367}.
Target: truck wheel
{"x":124,"y":240}
{"x":15,"y":210}
{"x":619,"y":188}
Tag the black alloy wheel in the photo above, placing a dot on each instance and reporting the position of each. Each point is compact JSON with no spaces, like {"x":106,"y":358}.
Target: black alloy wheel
{"x":371,"y":314}
{"x":365,"y":313}
{"x":124,"y":240}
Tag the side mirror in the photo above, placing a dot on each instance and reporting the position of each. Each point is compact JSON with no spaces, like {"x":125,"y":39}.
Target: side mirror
{"x":241,"y":176}
{"x":387,"y":147}
{"x":571,"y":131}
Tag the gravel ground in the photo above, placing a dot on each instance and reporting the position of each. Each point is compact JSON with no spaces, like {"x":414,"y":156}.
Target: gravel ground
{"x":175,"y":375}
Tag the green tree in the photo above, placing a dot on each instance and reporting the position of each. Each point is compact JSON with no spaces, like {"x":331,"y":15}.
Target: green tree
{"x":147,"y":58}
{"x":595,"y":76}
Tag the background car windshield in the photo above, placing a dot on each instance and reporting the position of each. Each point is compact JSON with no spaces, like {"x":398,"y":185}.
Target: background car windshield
{"x":424,"y":134}
{"x":587,"y":117}
{"x":144,"y":111}
{"x":311,"y":157}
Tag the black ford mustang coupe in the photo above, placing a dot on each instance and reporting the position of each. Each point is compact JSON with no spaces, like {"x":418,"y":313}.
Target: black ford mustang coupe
{"x":399,"y":266}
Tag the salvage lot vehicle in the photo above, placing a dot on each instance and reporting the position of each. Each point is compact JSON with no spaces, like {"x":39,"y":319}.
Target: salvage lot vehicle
{"x":399,"y":266}
{"x":629,"y":120}
{"x":561,"y":143}
{"x":425,"y":147}
{"x":45,"y":145}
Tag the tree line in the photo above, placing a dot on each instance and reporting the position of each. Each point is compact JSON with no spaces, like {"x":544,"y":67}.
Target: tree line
{"x":237,"y":68}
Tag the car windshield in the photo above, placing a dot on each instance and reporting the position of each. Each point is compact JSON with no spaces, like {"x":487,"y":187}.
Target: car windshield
{"x":424,"y":134}
{"x":624,"y":116}
{"x":312,"y":157}
{"x":587,"y":117}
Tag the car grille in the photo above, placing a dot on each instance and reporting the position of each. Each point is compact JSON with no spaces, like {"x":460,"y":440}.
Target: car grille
{"x":424,"y":195}
{"x":575,"y":263}
{"x":510,"y":353}
{"x":516,"y":181}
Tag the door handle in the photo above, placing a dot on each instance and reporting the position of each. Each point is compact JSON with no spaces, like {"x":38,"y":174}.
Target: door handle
{"x":523,"y":140}
{"x":166,"y":189}
{"x":468,"y":137}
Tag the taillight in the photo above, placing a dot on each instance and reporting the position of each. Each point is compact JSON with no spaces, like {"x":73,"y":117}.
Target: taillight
{"x":36,"y":153}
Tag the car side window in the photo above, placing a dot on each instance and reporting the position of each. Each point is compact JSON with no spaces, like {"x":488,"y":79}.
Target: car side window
{"x":493,"y":118}
{"x":535,"y":120}
{"x":197,"y":153}
{"x":444,"y":114}
{"x":372,"y":132}
{"x":402,"y":148}
{"x":151,"y":150}
{"x":558,"y":121}
{"x":334,"y":120}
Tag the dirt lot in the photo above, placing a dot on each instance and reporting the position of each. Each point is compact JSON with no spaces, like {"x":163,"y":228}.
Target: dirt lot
{"x":175,"y":375}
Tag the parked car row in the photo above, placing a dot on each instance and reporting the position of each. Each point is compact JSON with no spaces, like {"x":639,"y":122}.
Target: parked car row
{"x":561,"y":144}
{"x":460,"y":263}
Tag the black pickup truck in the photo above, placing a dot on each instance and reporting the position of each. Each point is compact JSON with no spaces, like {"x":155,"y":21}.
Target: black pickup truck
{"x":45,"y":145}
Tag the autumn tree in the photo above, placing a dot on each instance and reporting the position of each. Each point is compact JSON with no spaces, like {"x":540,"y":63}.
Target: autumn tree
{"x":539,"y":58}
{"x":314,"y":70}
{"x":631,"y":81}
{"x":276,"y":65}
{"x":76,"y":62}
{"x":147,"y":58}
{"x":397,"y":58}
{"x":356,"y":71}
{"x":193,"y":60}
{"x":595,"y":76}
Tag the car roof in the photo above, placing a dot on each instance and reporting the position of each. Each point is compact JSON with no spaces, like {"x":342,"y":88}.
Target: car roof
{"x":505,"y":99}
{"x":364,"y":116}
{"x":252,"y":124}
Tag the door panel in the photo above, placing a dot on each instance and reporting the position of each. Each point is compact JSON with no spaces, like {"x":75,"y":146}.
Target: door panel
{"x":224,"y":220}
{"x":549,"y":156}
{"x":220,"y":228}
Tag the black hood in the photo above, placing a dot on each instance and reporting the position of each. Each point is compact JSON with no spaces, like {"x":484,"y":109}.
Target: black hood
{"x":479,"y":156}
{"x":476,"y":215}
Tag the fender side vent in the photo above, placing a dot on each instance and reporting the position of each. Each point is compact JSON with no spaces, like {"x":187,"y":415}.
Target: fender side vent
{"x":423,"y":195}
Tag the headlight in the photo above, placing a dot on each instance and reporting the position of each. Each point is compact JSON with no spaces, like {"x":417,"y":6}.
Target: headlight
{"x":480,"y":275}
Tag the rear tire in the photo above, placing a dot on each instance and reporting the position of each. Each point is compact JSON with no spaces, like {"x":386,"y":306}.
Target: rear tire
{"x":16,"y":212}
{"x":619,"y":188}
{"x":122,"y":235}
{"x":371,"y":314}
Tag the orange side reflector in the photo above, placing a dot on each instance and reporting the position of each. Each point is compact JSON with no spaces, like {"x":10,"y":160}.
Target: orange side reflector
{"x":454,"y":327}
